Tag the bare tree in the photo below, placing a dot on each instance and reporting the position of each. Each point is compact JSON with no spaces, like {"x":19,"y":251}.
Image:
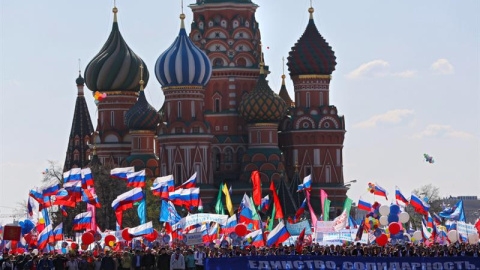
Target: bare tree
{"x":53,"y":171}
{"x":431,"y":194}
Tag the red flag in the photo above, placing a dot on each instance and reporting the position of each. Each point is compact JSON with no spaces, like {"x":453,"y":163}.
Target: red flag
{"x":257,"y":188}
{"x":299,"y":245}
{"x":477,"y":225}
{"x":278,"y":206}
{"x":290,"y":220}
{"x":119,"y":214}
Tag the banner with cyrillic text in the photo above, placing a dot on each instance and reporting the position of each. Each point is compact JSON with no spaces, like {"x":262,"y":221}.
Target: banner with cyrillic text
{"x":342,"y":263}
{"x":199,"y":219}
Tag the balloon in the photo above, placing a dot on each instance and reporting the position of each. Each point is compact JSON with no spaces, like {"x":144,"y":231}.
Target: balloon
{"x":384,"y":210}
{"x":452,"y":236}
{"x":111,"y":243}
{"x":382,"y":240}
{"x":394,"y":228}
{"x":250,"y":226}
{"x":74,"y":246}
{"x":417,"y":235}
{"x":394,"y":209}
{"x":425,"y":199}
{"x":241,"y":230}
{"x":87,"y":238}
{"x":383,"y":220}
{"x":404,"y":217}
{"x":152,"y":237}
{"x":377,"y":232}
{"x":126,"y":236}
{"x":392,"y":218}
{"x":84,"y":247}
{"x":104,"y":95}
{"x":110,"y":238}
{"x":233,"y":236}
{"x":473,"y":238}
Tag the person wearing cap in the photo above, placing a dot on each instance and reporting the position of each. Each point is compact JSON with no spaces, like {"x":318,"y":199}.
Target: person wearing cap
{"x":177,"y":262}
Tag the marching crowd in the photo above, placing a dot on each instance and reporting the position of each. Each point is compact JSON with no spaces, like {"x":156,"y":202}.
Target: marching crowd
{"x":184,"y":258}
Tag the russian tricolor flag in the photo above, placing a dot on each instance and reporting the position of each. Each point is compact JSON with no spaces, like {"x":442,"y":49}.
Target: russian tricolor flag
{"x":126,"y":200}
{"x":37,"y":194}
{"x":399,"y":196}
{"x":230,"y":226}
{"x":190,"y":183}
{"x":306,"y":185}
{"x":74,"y":174}
{"x":187,"y":197}
{"x":136,"y":179}
{"x":87,"y":178}
{"x":162,"y":186}
{"x":364,"y":205}
{"x":255,"y":238}
{"x":141,"y":230}
{"x":82,"y":221}
{"x":278,"y":235}
{"x":378,"y":190}
{"x":301,"y":210}
{"x":57,"y":233}
{"x":44,"y":237}
{"x":51,"y":188}
{"x":419,"y":205}
{"x":30,"y":206}
{"x":121,"y":173}
{"x":74,"y":188}
{"x":213,"y":232}
{"x":265,"y":204}
{"x":248,"y":214}
{"x":63,"y":210}
{"x":63,"y":197}
{"x":89,"y":196}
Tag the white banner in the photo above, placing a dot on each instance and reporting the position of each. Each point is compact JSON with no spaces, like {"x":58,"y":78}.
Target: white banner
{"x":199,"y":219}
{"x":194,"y":238}
{"x":465,"y":229}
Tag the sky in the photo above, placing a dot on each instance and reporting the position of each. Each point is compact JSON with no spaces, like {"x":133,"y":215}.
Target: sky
{"x":406,"y":80}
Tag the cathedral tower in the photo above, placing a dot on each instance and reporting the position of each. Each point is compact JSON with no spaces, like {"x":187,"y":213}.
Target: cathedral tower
{"x":78,"y":151}
{"x":313,"y":133}
{"x":184,"y":139}
{"x":227,"y":31}
{"x":115,"y":70}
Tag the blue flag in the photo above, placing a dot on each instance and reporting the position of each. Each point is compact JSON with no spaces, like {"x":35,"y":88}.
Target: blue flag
{"x":168,"y":213}
{"x":142,"y":211}
{"x":454,"y":213}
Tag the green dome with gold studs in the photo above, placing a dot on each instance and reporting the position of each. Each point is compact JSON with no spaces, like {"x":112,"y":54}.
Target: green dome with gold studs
{"x":262,"y":105}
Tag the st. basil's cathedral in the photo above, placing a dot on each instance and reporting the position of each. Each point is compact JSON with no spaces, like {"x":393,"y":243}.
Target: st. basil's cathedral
{"x":220,"y":118}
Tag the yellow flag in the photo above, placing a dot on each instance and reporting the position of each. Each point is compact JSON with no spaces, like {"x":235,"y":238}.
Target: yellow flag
{"x":228,"y":201}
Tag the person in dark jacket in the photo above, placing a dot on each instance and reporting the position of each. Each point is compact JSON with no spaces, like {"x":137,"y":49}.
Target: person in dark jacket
{"x":148,"y":260}
{"x":59,"y":262}
{"x":107,"y":262}
{"x":45,"y":263}
{"x":163,"y":260}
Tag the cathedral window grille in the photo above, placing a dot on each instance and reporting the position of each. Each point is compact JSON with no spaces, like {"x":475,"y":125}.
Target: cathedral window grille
{"x":240,"y":34}
{"x":196,"y":130}
{"x":321,"y":99}
{"x":217,"y":34}
{"x":112,"y":118}
{"x":270,"y":135}
{"x":139,"y":143}
{"x":240,"y":48}
{"x":316,"y":157}
{"x":217,"y":48}
{"x":192,"y":107}
{"x":259,"y":137}
{"x":178,"y":130}
{"x":241,"y":62}
{"x":217,"y":105}
{"x":307,"y":99}
{"x":216,"y":159}
{"x":179,"y":109}
{"x":178,"y":174}
{"x":328,"y":174}
{"x":218,"y":62}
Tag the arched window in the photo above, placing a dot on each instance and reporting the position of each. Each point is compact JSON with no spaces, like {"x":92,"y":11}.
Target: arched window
{"x":216,"y":159}
{"x":307,"y":99}
{"x":77,"y":140}
{"x":259,"y":137}
{"x":218,"y":62}
{"x":241,"y":62}
{"x":217,"y":105}
{"x":228,"y":155}
{"x":179,"y":109}
{"x":76,"y":155}
{"x":321,"y":99}
{"x":240,"y":153}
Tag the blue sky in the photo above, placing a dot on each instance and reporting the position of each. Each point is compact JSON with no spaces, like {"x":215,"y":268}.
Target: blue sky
{"x":407,"y":81}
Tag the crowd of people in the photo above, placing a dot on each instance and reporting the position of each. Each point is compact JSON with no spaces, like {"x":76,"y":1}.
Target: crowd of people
{"x":184,"y":258}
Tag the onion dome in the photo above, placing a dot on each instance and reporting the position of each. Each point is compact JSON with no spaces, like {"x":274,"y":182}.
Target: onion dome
{"x":311,"y":54}
{"x":116,"y":67}
{"x":183,"y":63}
{"x":142,"y":116}
{"x":80,"y":80}
{"x":262,"y":105}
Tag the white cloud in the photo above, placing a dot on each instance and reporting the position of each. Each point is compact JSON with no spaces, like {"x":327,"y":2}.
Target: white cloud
{"x":390,"y":117}
{"x":436,"y":130}
{"x":443,"y":67}
{"x":378,"y":68}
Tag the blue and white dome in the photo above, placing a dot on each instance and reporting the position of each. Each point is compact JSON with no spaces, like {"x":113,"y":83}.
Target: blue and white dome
{"x":183,"y":63}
